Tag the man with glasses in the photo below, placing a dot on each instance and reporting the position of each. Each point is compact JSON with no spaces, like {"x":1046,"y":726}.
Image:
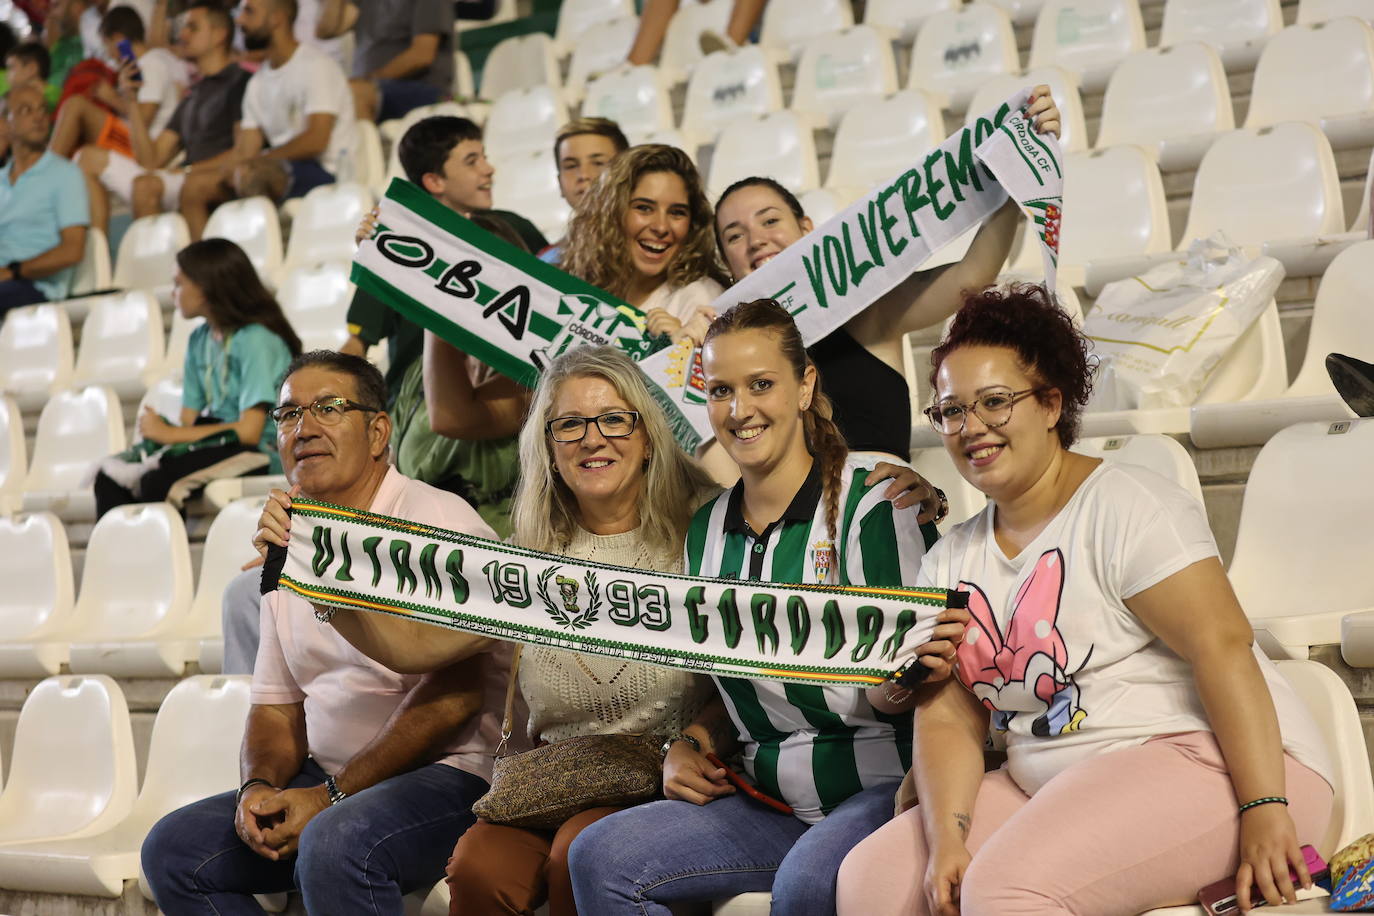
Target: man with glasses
{"x":341,"y":795}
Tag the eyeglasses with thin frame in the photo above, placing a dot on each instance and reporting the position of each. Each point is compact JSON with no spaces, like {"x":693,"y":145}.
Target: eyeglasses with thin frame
{"x":614,"y":424}
{"x":992,"y":408}
{"x":327,"y":411}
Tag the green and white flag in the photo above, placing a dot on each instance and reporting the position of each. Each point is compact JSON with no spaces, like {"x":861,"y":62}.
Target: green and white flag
{"x":515,"y":313}
{"x":346,"y":558}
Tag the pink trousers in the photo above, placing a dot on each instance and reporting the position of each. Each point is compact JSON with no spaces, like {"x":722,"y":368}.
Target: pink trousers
{"x":1117,"y":834}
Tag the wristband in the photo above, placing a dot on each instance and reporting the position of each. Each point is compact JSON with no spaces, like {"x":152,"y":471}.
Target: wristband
{"x":255,"y":781}
{"x":1266,"y":800}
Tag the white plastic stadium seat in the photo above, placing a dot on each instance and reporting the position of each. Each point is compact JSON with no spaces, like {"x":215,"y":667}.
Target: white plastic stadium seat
{"x":956,"y":51}
{"x":1339,"y":321}
{"x":777,"y":146}
{"x":1268,"y":183}
{"x":193,"y":754}
{"x":253,"y":225}
{"x":75,"y":430}
{"x":1174,"y":101}
{"x":121,"y":344}
{"x":463,"y":85}
{"x":878,"y":140}
{"x":1114,"y":210}
{"x":147,"y":254}
{"x":178,"y":337}
{"x":1022,"y":12}
{"x":163,"y":396}
{"x":36,"y":357}
{"x":1322,"y":74}
{"x":1310,"y":11}
{"x":520,"y":62}
{"x":1238,"y":29}
{"x":528,"y":185}
{"x":577,"y":17}
{"x":598,"y":51}
{"x":522,"y":121}
{"x":36,"y":605}
{"x":93,"y":270}
{"x":228,"y":545}
{"x":823,"y":203}
{"x":729,"y":85}
{"x":315,"y":300}
{"x":782,"y":28}
{"x":136,"y":587}
{"x":73,"y":772}
{"x":1073,"y":131}
{"x":633,"y":97}
{"x":839,"y":71}
{"x":392,"y":131}
{"x":682,"y":43}
{"x":368,"y":161}
{"x":14,"y":462}
{"x":1161,"y":454}
{"x":904,"y":17}
{"x":1087,"y":38}
{"x":324,"y":226}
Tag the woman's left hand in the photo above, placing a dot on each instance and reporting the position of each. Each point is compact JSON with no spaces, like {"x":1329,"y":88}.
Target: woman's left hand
{"x":661,"y":321}
{"x":1043,"y":112}
{"x":910,"y":489}
{"x":152,"y":427}
{"x":939,"y":654}
{"x":1268,"y":849}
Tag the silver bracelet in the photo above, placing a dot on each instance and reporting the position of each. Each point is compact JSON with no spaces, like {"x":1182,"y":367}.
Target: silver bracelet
{"x":324,"y":615}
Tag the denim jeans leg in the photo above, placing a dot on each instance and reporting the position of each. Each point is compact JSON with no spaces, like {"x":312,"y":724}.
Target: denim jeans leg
{"x":638,"y":861}
{"x":805,"y":883}
{"x":363,"y":854}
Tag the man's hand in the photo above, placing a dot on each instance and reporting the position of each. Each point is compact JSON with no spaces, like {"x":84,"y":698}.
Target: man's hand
{"x":274,"y":525}
{"x":689,"y":776}
{"x":250,"y":826}
{"x":130,"y":80}
{"x":909,"y":489}
{"x":288,"y":811}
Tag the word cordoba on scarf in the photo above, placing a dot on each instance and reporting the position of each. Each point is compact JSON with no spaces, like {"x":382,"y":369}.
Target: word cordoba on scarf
{"x":346,"y":558}
{"x":515,"y":313}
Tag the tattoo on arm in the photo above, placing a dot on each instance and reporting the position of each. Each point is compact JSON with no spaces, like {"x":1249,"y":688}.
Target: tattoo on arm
{"x":964,"y":821}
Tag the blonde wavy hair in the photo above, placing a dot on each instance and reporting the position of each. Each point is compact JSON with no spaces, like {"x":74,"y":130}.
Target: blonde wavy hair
{"x":596,"y":250}
{"x":544,"y":514}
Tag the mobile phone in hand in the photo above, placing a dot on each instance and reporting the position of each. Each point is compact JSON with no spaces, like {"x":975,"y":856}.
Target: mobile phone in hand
{"x":1219,"y":899}
{"x":126,"y":55}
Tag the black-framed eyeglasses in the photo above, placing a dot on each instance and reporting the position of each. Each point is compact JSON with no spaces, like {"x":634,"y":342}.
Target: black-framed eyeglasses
{"x":327,"y":411}
{"x":614,"y":424}
{"x":992,"y":408}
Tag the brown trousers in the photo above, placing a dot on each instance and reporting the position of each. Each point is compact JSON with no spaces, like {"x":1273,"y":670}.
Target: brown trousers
{"x":510,"y":871}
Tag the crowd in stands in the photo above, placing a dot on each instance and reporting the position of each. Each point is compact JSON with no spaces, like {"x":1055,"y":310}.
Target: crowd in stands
{"x":1150,"y":747}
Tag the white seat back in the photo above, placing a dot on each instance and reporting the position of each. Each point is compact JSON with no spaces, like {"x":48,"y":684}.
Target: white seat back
{"x":228,"y":545}
{"x":1340,"y":317}
{"x":1161,"y":454}
{"x":121,"y":343}
{"x":368,"y":161}
{"x":879,"y":139}
{"x":36,"y":564}
{"x":75,"y":430}
{"x":1310,"y":11}
{"x":464,"y":87}
{"x":839,"y":71}
{"x":147,"y":253}
{"x":576,"y":18}
{"x":1316,"y":73}
{"x":782,"y":28}
{"x":520,"y":62}
{"x":1256,"y":366}
{"x":73,"y":770}
{"x":1022,"y":12}
{"x":253,"y":225}
{"x":600,"y":50}
{"x":324,"y":226}
{"x":1268,"y":183}
{"x":777,"y":145}
{"x":633,"y":97}
{"x":528,"y":184}
{"x":682,"y":44}
{"x":1236,"y":28}
{"x":93,"y":270}
{"x":904,"y":17}
{"x":315,"y":300}
{"x":137,"y":573}
{"x":163,"y":396}
{"x":14,"y":463}
{"x":1113,"y":206}
{"x":1087,"y":38}
{"x":823,"y":203}
{"x":1166,"y":94}
{"x":956,"y":51}
{"x":1073,"y":131}
{"x":36,"y":356}
{"x":728,"y":85}
{"x":523,"y":121}
{"x":1314,"y":488}
{"x":178,"y":338}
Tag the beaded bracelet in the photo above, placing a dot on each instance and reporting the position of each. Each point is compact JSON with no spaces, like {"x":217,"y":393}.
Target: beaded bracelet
{"x":1267,"y":800}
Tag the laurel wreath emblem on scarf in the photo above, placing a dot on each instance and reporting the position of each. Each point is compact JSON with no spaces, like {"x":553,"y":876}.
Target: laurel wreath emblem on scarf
{"x":570,"y":616}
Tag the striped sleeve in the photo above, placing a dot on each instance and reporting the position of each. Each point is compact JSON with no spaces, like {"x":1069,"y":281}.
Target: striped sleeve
{"x":883,"y":545}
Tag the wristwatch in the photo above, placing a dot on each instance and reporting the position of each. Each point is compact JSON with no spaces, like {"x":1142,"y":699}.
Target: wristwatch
{"x":336,"y":794}
{"x":680,"y":736}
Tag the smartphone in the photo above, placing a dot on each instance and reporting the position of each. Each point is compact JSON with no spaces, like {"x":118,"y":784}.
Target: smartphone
{"x":747,"y":789}
{"x":126,"y":54}
{"x":1219,"y":899}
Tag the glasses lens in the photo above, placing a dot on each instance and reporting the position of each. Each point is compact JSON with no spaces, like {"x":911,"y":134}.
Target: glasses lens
{"x":617,"y":424}
{"x":568,"y":429}
{"x":284,"y":416}
{"x":994,"y":408}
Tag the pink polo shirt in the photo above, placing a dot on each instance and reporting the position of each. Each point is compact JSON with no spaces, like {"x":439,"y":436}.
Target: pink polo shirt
{"x":349,"y":697}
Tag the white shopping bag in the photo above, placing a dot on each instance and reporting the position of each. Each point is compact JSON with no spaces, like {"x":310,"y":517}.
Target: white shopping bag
{"x":1158,"y":336}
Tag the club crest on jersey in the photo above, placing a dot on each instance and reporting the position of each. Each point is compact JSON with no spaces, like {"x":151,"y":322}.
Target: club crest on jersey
{"x":822,"y":559}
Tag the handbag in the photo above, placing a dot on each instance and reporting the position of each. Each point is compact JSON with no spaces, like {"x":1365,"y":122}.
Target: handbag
{"x":542,"y":788}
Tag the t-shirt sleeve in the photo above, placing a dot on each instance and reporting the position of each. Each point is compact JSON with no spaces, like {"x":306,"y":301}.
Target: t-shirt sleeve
{"x":192,"y":373}
{"x":251,"y":117}
{"x":273,"y":682}
{"x":261,"y":362}
{"x":327,"y":89}
{"x":73,"y":204}
{"x":1163,"y":530}
{"x":431,"y":17}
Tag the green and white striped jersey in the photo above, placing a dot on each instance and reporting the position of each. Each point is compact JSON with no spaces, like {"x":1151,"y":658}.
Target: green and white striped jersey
{"x":810,"y":745}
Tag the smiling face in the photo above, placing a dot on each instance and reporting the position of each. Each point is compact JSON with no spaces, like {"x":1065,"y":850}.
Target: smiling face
{"x":601,"y":472}
{"x":465,"y":184}
{"x":754,"y":224}
{"x":754,"y":398}
{"x":1004,"y":461}
{"x":657,"y":222}
{"x":581,"y":160}
{"x":330,"y":461}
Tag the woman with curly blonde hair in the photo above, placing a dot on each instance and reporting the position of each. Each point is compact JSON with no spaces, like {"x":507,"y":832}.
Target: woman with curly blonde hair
{"x":644,"y":233}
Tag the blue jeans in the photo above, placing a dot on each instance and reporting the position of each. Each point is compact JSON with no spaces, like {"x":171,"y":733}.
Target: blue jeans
{"x":17,"y":293}
{"x":240,"y":619}
{"x":640,"y":860}
{"x":306,"y":176}
{"x":359,"y":856}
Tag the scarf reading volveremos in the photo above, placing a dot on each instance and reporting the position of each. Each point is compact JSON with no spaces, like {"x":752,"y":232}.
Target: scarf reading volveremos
{"x":515,"y":313}
{"x":346,"y":558}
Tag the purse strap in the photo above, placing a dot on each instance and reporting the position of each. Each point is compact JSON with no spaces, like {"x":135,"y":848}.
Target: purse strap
{"x":506,"y":724}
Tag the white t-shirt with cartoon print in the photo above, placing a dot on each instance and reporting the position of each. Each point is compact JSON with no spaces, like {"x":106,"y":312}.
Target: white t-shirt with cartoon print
{"x":1066,"y":669}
